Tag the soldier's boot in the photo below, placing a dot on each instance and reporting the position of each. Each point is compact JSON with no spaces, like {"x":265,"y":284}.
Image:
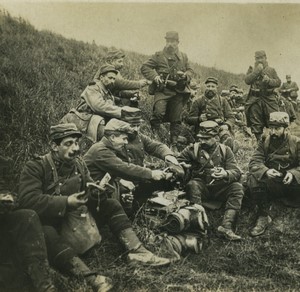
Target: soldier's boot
{"x":97,"y":282}
{"x":137,"y":253}
{"x":261,"y":225}
{"x":226,"y":228}
{"x":39,"y":274}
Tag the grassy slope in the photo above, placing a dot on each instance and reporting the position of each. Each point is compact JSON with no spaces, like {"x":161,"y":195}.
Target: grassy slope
{"x":42,"y":75}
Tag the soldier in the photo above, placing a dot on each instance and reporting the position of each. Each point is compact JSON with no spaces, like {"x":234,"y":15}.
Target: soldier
{"x":55,"y":185}
{"x":97,"y":106}
{"x":213,"y":107}
{"x":22,"y":244}
{"x":110,"y":155}
{"x":261,"y":100}
{"x":214,"y":176}
{"x":289,"y":90}
{"x":123,"y":88}
{"x":170,"y":73}
{"x":275,"y":170}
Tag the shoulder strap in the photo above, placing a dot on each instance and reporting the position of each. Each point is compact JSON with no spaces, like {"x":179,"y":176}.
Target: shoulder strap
{"x":48,"y":158}
{"x":223,"y":150}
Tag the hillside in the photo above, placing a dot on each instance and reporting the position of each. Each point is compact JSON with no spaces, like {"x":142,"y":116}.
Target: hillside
{"x":42,"y":75}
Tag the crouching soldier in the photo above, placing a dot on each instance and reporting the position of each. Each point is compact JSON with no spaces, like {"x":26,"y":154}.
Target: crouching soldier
{"x":214,"y":176}
{"x":54,"y":185}
{"x":22,"y":244}
{"x":274,"y":170}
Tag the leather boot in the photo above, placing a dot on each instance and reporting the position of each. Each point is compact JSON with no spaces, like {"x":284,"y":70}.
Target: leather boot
{"x":261,"y":225}
{"x":97,"y":282}
{"x":138,"y":254}
{"x":38,"y":272}
{"x":226,"y":228}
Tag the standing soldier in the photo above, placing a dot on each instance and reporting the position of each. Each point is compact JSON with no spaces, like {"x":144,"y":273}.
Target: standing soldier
{"x":261,"y":100}
{"x":289,"y":90}
{"x":214,"y":176}
{"x":124,"y":90}
{"x":275,"y":170}
{"x":170,"y":73}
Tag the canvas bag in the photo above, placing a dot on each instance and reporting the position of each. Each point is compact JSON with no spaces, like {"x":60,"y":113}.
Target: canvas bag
{"x":78,"y":228}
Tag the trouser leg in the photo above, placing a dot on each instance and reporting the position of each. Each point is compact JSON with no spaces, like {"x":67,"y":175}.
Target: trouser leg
{"x":196,"y":191}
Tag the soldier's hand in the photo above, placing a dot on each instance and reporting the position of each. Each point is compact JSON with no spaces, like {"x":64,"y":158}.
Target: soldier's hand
{"x":258,"y":69}
{"x":219,"y":173}
{"x":158,"y":80}
{"x":76,"y":200}
{"x":288,"y":178}
{"x":172,"y":159}
{"x":158,"y":174}
{"x":203,"y":117}
{"x":273,"y":173}
{"x":143,"y":82}
{"x":266,"y":79}
{"x":127,"y":184}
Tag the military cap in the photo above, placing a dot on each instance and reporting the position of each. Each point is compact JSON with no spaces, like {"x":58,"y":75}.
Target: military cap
{"x":131,"y":115}
{"x":233,"y":88}
{"x":172,"y":35}
{"x":208,"y":129}
{"x":260,"y":54}
{"x":225,"y":92}
{"x":64,"y":130}
{"x":279,"y":119}
{"x":114,"y":54}
{"x":212,"y":79}
{"x":115,"y":125}
{"x":108,"y":68}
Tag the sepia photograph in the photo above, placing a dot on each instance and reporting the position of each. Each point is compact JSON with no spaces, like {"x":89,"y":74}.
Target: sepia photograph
{"x":149,"y":146}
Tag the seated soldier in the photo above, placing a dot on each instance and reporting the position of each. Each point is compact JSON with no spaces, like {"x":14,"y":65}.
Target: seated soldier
{"x":212,"y":107}
{"x":274,"y":169}
{"x":97,"y":106}
{"x":22,"y":244}
{"x":214,"y":176}
{"x":54,"y":185}
{"x":127,"y":163}
{"x":124,"y":90}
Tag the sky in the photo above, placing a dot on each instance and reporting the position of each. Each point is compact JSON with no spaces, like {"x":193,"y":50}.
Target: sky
{"x":223,"y":35}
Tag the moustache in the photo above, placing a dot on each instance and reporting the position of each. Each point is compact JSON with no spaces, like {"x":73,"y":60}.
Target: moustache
{"x":209,"y":93}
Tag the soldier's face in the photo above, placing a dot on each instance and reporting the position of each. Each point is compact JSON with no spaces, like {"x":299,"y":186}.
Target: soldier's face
{"x":289,"y":79}
{"x":207,"y":142}
{"x":108,"y":79}
{"x":260,"y":60}
{"x":118,"y":63}
{"x":211,"y":89}
{"x":276,"y":132}
{"x":68,"y":149}
{"x":171,"y":45}
{"x":119,"y":141}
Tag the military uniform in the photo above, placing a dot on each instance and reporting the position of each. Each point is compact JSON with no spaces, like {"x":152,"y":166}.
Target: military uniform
{"x":261,"y":100}
{"x":204,"y":187}
{"x":23,"y":250}
{"x":169,"y":100}
{"x":274,"y":171}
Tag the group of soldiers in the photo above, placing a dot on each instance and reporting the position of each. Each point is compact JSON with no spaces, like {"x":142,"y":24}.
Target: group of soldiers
{"x":63,"y":184}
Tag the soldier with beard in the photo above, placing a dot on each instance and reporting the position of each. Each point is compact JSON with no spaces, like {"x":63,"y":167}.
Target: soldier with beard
{"x":170,"y":73}
{"x":289,"y":90}
{"x":261,"y":100}
{"x":212,"y":107}
{"x":275,"y":170}
{"x":214,"y":176}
